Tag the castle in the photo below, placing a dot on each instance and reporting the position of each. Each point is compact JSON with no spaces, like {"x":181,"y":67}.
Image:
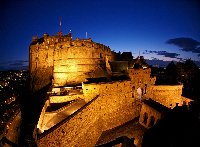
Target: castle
{"x":67,"y":61}
{"x":80,"y":66}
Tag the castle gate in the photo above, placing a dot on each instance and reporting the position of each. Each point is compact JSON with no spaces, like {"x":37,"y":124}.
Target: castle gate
{"x":139,"y":94}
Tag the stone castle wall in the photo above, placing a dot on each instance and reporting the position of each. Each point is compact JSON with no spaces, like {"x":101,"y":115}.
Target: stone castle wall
{"x":116,"y":89}
{"x":152,"y":116}
{"x":65,"y":60}
{"x":167,"y":95}
{"x":140,"y":78}
{"x":66,"y":98}
{"x":110,"y":109}
{"x":42,"y":115}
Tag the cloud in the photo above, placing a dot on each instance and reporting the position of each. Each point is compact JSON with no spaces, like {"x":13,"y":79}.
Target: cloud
{"x":186,"y":44}
{"x":164,"y":53}
{"x":14,"y":65}
{"x":18,"y":63}
{"x":153,"y":58}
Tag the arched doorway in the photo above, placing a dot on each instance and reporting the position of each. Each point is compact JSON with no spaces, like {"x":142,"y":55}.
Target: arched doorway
{"x":139,"y":94}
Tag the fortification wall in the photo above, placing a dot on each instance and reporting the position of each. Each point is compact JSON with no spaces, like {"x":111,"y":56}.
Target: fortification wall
{"x":186,"y":100}
{"x":40,"y":78}
{"x":167,"y":95}
{"x":72,"y":61}
{"x":112,"y":108}
{"x":42,"y":115}
{"x":140,"y":78}
{"x":72,"y":64}
{"x":40,"y":66}
{"x":46,"y":118}
{"x":115,"y":88}
{"x":149,"y":116}
{"x":66,"y":98}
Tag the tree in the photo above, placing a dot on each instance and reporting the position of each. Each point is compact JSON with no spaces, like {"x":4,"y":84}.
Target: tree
{"x":171,"y":73}
{"x":180,"y":72}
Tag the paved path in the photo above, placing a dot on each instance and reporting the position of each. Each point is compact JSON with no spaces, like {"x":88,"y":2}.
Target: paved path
{"x":63,"y":114}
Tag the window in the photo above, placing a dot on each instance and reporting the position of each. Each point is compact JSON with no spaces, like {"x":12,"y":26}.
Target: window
{"x":133,"y":91}
{"x":145,"y":118}
{"x":152,"y":119}
{"x":157,"y":120}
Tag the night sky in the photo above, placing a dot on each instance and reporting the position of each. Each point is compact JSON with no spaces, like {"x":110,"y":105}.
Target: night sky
{"x":162,"y":29}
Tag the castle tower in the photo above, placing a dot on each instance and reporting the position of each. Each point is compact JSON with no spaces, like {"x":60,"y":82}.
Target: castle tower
{"x":63,"y":61}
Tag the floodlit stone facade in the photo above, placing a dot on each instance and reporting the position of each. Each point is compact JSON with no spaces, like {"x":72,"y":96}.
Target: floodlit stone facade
{"x":149,"y":116}
{"x":168,"y":95}
{"x":110,"y":104}
{"x":63,"y":61}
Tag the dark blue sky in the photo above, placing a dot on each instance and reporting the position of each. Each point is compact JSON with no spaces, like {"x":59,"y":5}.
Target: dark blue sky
{"x":162,"y":29}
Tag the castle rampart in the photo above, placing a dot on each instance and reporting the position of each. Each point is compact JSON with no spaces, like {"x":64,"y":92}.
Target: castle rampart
{"x":115,"y":88}
{"x":65,"y":60}
{"x":65,"y":98}
{"x":149,"y":116}
{"x":141,"y":81}
{"x":167,"y":95}
{"x":110,"y":109}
